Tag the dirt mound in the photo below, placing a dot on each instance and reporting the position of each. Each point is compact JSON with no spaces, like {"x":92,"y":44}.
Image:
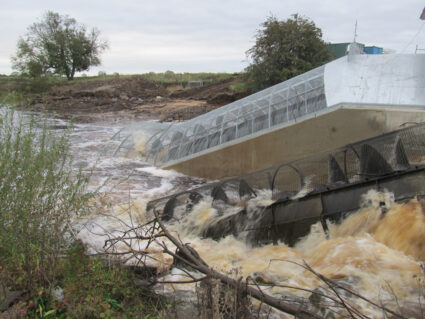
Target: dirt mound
{"x":136,"y":87}
{"x":89,"y":100}
{"x":218,"y":94}
{"x":133,"y":97}
{"x":226,"y":98}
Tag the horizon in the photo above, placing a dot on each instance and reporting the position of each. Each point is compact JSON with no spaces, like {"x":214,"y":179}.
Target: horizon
{"x":213,"y":37}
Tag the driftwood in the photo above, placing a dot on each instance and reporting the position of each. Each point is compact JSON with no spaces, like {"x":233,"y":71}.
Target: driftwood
{"x":195,"y":261}
{"x":152,"y":231}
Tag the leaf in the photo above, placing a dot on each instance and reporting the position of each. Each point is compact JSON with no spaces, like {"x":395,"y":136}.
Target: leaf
{"x":59,"y":45}
{"x":50,"y":312}
{"x":284,"y":49}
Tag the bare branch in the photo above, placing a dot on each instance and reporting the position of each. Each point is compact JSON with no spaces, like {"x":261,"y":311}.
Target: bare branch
{"x":201,"y":266}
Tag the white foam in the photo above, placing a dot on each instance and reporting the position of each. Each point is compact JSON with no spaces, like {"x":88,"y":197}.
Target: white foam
{"x":163,"y":189}
{"x":159,"y":172}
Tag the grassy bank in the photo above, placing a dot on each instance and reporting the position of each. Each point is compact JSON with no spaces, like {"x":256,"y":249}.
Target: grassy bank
{"x":28,"y":87}
{"x":44,"y":270}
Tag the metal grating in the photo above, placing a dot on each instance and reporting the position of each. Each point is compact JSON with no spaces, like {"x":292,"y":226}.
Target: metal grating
{"x":262,"y":111}
{"x":367,"y":160}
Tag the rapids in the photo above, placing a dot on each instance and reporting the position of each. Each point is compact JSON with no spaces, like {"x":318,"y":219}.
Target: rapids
{"x":375,"y":254}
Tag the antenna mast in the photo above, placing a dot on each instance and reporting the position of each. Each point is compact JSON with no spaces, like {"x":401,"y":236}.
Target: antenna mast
{"x":355,"y":32}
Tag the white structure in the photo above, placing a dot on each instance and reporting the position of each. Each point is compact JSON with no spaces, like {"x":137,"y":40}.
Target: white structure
{"x":391,"y":79}
{"x":360,"y":81}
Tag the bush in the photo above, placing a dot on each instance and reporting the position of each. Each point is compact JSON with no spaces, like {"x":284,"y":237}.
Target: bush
{"x":40,"y":195}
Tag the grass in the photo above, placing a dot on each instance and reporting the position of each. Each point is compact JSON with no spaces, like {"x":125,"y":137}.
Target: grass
{"x":88,"y":288}
{"x":165,"y":79}
{"x":41,"y":194}
{"x":240,"y":87}
{"x":92,"y":289}
{"x":171,"y":78}
{"x":28,"y":87}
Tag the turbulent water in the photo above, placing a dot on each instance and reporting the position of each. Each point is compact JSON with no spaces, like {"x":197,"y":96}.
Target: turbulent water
{"x":376,"y":255}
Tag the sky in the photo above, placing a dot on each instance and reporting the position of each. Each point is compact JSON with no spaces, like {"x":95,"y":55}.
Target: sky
{"x":210,"y":36}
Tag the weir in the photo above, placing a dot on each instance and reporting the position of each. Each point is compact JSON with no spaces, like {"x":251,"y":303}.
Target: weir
{"x":323,"y":188}
{"x":347,"y":100}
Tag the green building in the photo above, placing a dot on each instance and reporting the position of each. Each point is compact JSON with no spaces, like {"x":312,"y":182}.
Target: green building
{"x":340,"y":49}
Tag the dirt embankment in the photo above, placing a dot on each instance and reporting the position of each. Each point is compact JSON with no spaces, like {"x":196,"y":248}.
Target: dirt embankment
{"x":132,"y":98}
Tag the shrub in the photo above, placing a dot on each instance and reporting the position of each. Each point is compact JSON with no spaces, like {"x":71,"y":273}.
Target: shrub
{"x":40,"y":195}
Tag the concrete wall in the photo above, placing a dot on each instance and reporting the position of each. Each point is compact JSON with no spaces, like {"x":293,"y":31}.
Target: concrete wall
{"x":323,"y":133}
{"x":397,"y":79}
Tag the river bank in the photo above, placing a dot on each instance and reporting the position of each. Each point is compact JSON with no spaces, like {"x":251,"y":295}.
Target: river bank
{"x":360,"y":254}
{"x":135,"y":97}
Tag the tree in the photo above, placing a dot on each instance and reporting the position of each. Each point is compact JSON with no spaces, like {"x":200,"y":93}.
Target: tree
{"x":58,"y":44}
{"x":284,"y":49}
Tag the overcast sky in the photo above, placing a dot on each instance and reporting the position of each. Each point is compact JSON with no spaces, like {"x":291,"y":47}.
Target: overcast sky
{"x":210,"y":35}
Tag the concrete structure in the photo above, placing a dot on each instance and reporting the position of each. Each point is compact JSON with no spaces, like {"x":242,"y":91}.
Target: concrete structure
{"x":346,"y":100}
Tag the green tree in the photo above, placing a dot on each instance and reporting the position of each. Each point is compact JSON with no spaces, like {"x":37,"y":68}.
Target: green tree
{"x":58,"y":44}
{"x":284,"y":49}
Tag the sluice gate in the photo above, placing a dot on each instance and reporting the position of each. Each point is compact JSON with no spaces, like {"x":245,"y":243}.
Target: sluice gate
{"x":321,"y":189}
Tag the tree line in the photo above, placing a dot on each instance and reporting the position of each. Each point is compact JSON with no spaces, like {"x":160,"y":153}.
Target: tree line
{"x":59,"y":45}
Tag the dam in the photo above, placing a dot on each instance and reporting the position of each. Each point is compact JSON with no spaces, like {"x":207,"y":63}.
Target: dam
{"x":347,"y":100}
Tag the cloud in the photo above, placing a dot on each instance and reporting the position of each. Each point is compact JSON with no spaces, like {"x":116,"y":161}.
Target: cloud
{"x":211,"y":35}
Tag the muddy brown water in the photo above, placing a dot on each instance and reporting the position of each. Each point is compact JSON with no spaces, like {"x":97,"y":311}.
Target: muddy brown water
{"x":378,"y":256}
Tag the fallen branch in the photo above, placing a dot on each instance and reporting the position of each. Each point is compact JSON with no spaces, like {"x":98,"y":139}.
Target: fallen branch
{"x":197,"y":263}
{"x":330,"y":283}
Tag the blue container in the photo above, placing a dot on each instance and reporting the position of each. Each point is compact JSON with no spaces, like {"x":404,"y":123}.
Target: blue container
{"x":373,"y":50}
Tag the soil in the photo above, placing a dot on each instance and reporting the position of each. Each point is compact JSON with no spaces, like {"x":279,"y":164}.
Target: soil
{"x":133,"y":98}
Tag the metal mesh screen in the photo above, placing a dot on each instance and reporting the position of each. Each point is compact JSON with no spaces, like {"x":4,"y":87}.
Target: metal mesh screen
{"x":362,"y":161}
{"x":262,"y":111}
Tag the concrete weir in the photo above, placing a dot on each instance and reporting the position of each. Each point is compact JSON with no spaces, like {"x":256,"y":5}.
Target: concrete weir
{"x":347,"y":100}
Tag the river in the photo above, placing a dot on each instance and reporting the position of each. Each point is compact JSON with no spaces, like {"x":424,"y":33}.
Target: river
{"x":377,"y":256}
